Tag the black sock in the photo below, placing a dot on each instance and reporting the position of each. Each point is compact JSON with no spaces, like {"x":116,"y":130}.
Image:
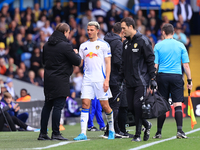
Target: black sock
{"x":160,"y":122}
{"x":179,"y":118}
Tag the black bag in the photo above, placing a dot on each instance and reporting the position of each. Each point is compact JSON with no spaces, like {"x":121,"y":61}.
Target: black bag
{"x":154,"y":105}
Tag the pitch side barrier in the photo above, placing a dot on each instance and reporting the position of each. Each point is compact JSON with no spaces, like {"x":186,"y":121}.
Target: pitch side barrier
{"x":34,"y":109}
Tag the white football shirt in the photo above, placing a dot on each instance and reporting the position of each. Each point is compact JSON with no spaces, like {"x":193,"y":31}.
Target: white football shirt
{"x":93,"y":54}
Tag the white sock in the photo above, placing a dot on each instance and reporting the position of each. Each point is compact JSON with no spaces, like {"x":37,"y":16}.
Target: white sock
{"x":84,"y":120}
{"x":28,"y":128}
{"x":110,"y":121}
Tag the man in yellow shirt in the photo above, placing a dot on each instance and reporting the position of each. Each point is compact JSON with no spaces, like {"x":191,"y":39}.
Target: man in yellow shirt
{"x":167,"y":9}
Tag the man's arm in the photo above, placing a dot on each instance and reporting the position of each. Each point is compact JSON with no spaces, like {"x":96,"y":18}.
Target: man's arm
{"x":188,"y":74}
{"x":108,"y":69}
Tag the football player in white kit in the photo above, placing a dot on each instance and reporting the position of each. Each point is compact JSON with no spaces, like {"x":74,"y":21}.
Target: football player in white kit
{"x":96,"y":55}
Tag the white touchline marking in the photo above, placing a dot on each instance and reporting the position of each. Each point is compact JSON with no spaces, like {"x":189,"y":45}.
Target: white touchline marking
{"x":153,"y":143}
{"x":59,"y":144}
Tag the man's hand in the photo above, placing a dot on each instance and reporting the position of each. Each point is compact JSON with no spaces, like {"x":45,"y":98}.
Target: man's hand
{"x":76,"y":51}
{"x":189,"y":84}
{"x":153,"y":84}
{"x":10,"y":106}
{"x":106,"y":85}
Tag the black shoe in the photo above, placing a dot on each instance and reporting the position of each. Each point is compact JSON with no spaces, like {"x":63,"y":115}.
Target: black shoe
{"x":147,"y":132}
{"x":157,"y":136}
{"x":105,"y":136}
{"x":43,"y":137}
{"x":103,"y":128}
{"x":136,"y":139}
{"x":58,"y":137}
{"x":93,"y":129}
{"x":128,"y":135}
{"x":181,"y":135}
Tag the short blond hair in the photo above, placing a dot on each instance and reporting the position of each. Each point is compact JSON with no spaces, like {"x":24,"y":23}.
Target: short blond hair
{"x":94,"y":23}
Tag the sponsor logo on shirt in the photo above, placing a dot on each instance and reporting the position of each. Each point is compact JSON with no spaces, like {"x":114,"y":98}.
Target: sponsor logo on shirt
{"x":135,"y":50}
{"x":85,"y":49}
{"x":135,"y":45}
{"x":97,"y":47}
{"x":91,"y":55}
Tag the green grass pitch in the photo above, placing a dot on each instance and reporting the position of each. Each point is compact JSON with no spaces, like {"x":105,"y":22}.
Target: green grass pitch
{"x":28,"y":140}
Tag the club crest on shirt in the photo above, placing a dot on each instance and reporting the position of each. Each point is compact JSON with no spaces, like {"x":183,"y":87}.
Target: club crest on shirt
{"x":97,"y":47}
{"x":135,"y":45}
{"x":125,"y":46}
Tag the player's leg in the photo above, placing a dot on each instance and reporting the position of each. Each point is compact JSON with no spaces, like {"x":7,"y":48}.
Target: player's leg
{"x":87,"y":93}
{"x":109,"y":118}
{"x":176,"y":90}
{"x":163,"y":88}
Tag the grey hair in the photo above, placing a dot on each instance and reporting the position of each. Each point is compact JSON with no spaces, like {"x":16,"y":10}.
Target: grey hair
{"x":94,"y":23}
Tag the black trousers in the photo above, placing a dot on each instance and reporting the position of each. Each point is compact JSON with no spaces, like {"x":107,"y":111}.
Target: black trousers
{"x":11,"y":121}
{"x":123,"y":111}
{"x":57,"y":105}
{"x":134,"y":96}
{"x":114,"y":103}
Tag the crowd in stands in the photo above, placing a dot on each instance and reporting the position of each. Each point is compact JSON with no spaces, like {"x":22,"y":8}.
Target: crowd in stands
{"x":23,"y":33}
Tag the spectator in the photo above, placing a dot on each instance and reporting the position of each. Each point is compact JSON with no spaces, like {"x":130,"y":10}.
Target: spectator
{"x":2,"y":66}
{"x":167,"y":9}
{"x":113,"y":13}
{"x":14,"y":110}
{"x":87,"y":18}
{"x":98,"y":11}
{"x":23,"y":67}
{"x":3,"y":52}
{"x":140,"y":26}
{"x":2,"y":32}
{"x":40,"y":23}
{"x":111,"y":23}
{"x":11,"y":63}
{"x":47,"y":29}
{"x":70,"y":10}
{"x":4,"y":12}
{"x":148,"y":33}
{"x":102,"y":23}
{"x":29,"y":43}
{"x":56,"y":21}
{"x":153,"y":26}
{"x":40,"y":77}
{"x":22,"y":31}
{"x":185,"y":25}
{"x":29,"y":12}
{"x":152,"y":14}
{"x":28,"y":24}
{"x":178,"y":35}
{"x":31,"y":78}
{"x":9,"y":38}
{"x":20,"y":75}
{"x":58,"y":10}
{"x":17,"y":16}
{"x":36,"y":60}
{"x":10,"y":88}
{"x":184,"y":9}
{"x":17,"y":48}
{"x":10,"y":72}
{"x":196,"y":93}
{"x":36,"y":11}
{"x":141,"y":17}
{"x":13,"y":28}
{"x":24,"y":96}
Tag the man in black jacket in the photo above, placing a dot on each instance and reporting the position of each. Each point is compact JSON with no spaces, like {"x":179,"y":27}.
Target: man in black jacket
{"x":115,"y":42}
{"x":58,"y":59}
{"x":138,"y":69}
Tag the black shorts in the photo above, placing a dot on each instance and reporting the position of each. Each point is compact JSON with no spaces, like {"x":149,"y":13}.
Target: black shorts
{"x":171,"y":84}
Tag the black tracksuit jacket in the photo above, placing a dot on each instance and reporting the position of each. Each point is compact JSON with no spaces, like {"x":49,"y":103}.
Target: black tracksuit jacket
{"x":138,"y":61}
